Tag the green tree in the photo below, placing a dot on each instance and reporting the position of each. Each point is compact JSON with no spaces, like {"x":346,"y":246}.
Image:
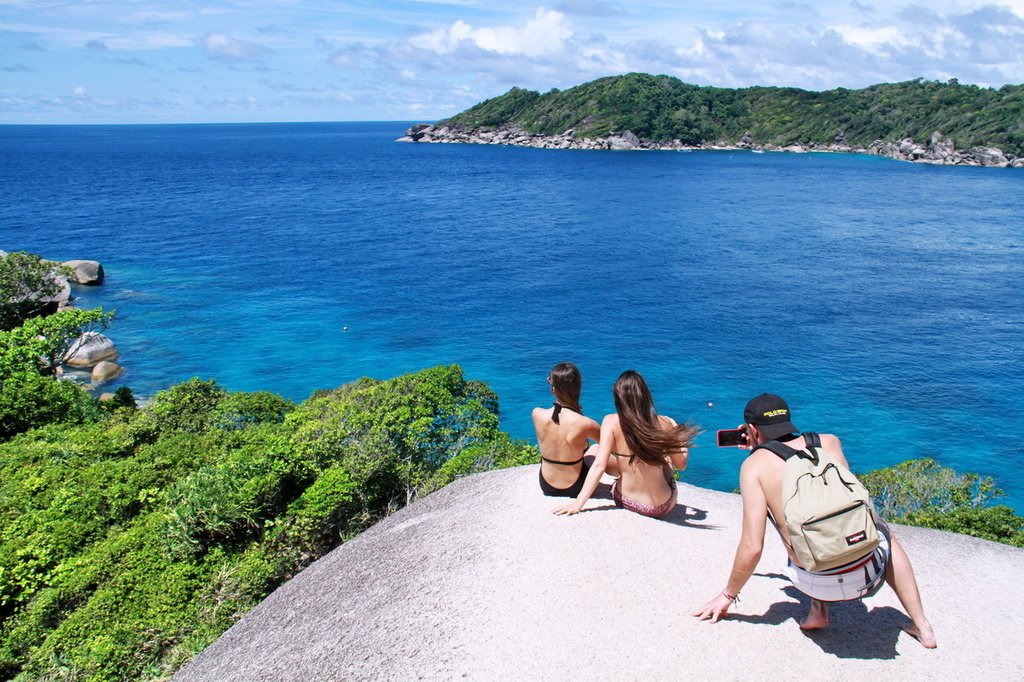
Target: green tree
{"x":922,"y":492}
{"x":27,"y":283}
{"x":29,"y":395}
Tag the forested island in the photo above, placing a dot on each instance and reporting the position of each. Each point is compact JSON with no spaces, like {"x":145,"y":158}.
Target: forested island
{"x":133,"y":536}
{"x":927,"y":121}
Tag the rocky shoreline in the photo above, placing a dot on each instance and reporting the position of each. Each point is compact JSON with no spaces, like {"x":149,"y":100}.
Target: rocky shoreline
{"x":91,"y":356}
{"x":937,"y":150}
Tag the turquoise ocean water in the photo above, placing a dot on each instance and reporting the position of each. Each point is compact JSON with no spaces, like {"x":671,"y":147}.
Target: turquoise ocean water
{"x":882,"y":299}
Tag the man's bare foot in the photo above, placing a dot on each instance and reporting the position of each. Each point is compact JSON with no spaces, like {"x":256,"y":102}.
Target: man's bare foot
{"x":817,"y":617}
{"x":924,"y":634}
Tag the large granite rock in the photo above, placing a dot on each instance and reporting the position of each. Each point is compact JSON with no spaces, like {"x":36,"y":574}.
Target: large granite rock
{"x":419,"y":131}
{"x":89,"y":349}
{"x":624,"y":140}
{"x":104,"y":371}
{"x":62,"y":298}
{"x":989,"y":156}
{"x":474,"y":581}
{"x":85,"y":271}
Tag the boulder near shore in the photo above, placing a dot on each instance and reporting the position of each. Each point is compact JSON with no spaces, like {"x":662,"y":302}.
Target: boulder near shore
{"x":480,"y":581}
{"x":89,"y":349}
{"x":87,"y":272}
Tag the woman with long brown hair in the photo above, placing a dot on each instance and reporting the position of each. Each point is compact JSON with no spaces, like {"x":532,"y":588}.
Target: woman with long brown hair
{"x":642,"y":448}
{"x":563,"y":434}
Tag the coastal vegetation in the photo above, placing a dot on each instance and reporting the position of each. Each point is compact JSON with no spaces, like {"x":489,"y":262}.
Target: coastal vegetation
{"x":131,"y":537}
{"x":922,"y":492}
{"x":663,"y":108}
{"x":133,"y":540}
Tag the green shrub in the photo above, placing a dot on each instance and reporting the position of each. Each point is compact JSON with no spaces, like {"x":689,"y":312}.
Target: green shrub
{"x":926,"y":485}
{"x":252,"y":480}
{"x":999,"y":523}
{"x":922,"y":492}
{"x":239,"y":410}
{"x":30,"y":396}
{"x":428,"y":417}
{"x":319,"y":519}
{"x":190,"y":407}
{"x":500,"y":453}
{"x":123,"y":399}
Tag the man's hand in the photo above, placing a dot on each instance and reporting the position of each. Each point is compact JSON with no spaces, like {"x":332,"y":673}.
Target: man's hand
{"x":750,"y":439}
{"x":715,"y":609}
{"x":567,"y":509}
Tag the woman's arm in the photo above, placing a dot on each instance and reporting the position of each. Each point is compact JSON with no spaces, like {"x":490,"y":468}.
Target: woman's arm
{"x":597,"y":469}
{"x":680,"y":458}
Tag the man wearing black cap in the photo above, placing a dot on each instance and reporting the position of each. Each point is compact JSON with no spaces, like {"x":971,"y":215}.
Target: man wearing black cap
{"x":767,"y":418}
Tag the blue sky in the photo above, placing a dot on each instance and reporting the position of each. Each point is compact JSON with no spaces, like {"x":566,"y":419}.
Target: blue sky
{"x":92,"y":61}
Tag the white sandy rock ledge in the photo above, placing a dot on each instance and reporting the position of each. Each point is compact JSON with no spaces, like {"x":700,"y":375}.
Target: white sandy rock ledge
{"x":480,"y":581}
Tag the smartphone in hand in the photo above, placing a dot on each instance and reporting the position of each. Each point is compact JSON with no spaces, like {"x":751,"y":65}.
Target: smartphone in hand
{"x":730,"y":438}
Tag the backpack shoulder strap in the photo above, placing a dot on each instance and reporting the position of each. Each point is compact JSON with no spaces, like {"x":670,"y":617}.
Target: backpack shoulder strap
{"x":780,"y":449}
{"x":812,"y":439}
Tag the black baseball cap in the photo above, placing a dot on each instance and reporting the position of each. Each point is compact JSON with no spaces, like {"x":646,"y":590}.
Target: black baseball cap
{"x":770,"y":413}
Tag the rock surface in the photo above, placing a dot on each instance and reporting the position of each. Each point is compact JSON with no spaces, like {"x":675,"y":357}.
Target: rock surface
{"x":623,"y":140}
{"x":85,"y":271}
{"x":936,"y":151}
{"x":89,"y":349}
{"x":480,"y":581}
{"x":62,"y":298}
{"x":104,"y":371}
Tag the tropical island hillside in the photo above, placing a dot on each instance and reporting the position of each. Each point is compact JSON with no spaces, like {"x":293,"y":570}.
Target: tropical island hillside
{"x":643,"y":111}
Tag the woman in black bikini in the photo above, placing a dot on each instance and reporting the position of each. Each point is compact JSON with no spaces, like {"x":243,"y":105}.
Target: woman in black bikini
{"x":562,"y":434}
{"x":642,"y":448}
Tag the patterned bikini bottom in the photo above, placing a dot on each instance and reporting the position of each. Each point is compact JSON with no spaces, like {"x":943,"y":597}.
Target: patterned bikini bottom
{"x":642,"y":507}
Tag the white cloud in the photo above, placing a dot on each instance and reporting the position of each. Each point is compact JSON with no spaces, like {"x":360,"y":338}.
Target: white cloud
{"x":223,"y":47}
{"x":872,"y":39}
{"x":80,"y":91}
{"x":546,"y":33}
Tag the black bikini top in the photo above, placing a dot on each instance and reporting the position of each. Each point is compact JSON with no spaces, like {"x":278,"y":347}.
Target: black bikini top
{"x":559,"y":407}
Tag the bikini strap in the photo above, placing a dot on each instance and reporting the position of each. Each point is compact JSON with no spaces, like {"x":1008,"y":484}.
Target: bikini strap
{"x":558,"y":408}
{"x":555,"y":461}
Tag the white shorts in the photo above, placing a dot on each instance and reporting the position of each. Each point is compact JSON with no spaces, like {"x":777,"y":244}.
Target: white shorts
{"x":855,"y":580}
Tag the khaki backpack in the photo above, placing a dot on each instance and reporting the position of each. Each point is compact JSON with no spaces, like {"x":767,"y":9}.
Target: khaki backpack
{"x":828,"y":511}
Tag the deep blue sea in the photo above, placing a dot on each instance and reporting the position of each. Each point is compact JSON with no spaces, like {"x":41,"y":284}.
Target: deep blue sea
{"x":882,"y":299}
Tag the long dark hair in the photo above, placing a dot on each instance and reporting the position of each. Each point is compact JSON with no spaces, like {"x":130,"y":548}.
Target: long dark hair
{"x":566,"y":383}
{"x":647,"y":439}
